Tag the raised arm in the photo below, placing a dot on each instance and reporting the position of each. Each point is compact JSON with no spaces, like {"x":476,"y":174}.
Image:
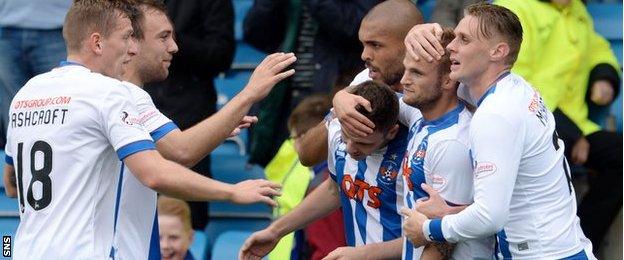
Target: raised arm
{"x":190,"y":146}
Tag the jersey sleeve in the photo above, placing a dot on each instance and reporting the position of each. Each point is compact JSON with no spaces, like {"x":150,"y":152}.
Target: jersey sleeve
{"x":333,"y":141}
{"x":448,"y":169}
{"x":496,"y":143}
{"x":121,"y":124}
{"x":156,"y":123}
{"x":360,"y":77}
{"x":408,"y":115}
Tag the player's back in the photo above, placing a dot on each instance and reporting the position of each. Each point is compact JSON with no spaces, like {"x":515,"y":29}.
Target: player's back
{"x":62,"y":125}
{"x":542,"y":212}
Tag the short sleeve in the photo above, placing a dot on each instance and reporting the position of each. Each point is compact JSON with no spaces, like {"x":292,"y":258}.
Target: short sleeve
{"x":155,"y":122}
{"x":333,"y":143}
{"x":448,"y":169}
{"x":8,"y":152}
{"x":121,"y":124}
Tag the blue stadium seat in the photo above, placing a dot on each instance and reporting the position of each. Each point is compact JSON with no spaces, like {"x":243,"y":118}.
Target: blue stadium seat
{"x":607,"y":19}
{"x":228,"y":244}
{"x":228,"y":85}
{"x":234,"y":169}
{"x":426,"y":8}
{"x":240,"y":11}
{"x":8,"y":226}
{"x":216,"y":227}
{"x":198,"y":247}
{"x":2,"y":156}
{"x":246,"y":57}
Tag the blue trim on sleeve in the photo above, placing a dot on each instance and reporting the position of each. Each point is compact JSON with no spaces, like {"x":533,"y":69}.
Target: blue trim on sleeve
{"x":163,"y":130}
{"x":578,"y":256}
{"x":135,"y":147}
{"x":435,"y":228}
{"x":8,"y":160}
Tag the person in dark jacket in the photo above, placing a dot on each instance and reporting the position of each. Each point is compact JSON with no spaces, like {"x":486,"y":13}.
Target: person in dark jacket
{"x":205,"y":37}
{"x":323,"y":34}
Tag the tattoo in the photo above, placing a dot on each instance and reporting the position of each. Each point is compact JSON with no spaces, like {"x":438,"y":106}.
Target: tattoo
{"x":445,"y":249}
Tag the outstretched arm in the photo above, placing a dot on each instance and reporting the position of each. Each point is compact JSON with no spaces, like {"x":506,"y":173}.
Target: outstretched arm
{"x":190,"y":146}
{"x":174,"y":180}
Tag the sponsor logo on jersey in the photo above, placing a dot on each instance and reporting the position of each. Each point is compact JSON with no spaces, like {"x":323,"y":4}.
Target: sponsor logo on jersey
{"x":355,"y":189}
{"x":484,"y":169}
{"x":438,"y":182}
{"x":129,"y":119}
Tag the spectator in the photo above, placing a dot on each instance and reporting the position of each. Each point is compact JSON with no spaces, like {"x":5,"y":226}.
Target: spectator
{"x":448,"y":12}
{"x":31,"y":41}
{"x":572,"y":66}
{"x":174,"y":225}
{"x":205,"y":37}
{"x":324,"y":36}
{"x":286,"y":169}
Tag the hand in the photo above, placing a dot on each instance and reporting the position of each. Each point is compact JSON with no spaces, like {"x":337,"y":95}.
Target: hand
{"x":258,"y":245}
{"x":252,"y":191}
{"x":352,"y":122}
{"x":412,"y":226}
{"x":423,"y":41}
{"x":345,"y":253}
{"x":580,"y":151}
{"x":269,"y":73}
{"x":433,"y":207}
{"x":244,"y":123}
{"x":601,"y":92}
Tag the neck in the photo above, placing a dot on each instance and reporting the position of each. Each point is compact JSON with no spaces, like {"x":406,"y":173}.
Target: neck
{"x":132,"y":76}
{"x":445,"y":104}
{"x":82,"y":61}
{"x":478,"y":86}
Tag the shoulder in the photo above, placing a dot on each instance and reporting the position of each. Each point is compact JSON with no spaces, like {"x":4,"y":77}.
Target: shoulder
{"x":360,"y":77}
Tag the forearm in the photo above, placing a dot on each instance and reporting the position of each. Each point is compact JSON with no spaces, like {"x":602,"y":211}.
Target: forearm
{"x":176,"y":181}
{"x":385,"y":250}
{"x":315,"y":151}
{"x":322,"y":201}
{"x":10,"y":184}
{"x":198,"y":141}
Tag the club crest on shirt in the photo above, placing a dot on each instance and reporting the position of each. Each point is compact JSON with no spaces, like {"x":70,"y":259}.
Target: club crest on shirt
{"x":388,"y":172}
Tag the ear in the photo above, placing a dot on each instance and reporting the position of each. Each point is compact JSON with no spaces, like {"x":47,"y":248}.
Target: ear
{"x":392,"y":132}
{"x":448,"y":83}
{"x":95,"y":43}
{"x":499,"y":52}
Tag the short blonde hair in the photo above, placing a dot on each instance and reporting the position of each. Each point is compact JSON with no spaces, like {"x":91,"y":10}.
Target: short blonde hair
{"x":88,"y":16}
{"x":177,"y":208}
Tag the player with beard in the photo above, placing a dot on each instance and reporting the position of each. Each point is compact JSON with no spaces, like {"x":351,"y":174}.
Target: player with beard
{"x":382,"y":32}
{"x":137,"y":234}
{"x":437,"y":151}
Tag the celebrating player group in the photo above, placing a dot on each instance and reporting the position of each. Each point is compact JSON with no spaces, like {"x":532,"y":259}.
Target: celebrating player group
{"x":436,"y":150}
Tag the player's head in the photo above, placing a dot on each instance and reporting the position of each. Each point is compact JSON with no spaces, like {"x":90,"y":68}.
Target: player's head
{"x":384,"y":114}
{"x":382,"y":32}
{"x":156,"y":45}
{"x":306,"y":115}
{"x":99,"y":33}
{"x":174,"y":224}
{"x":488,"y":36}
{"x":424,"y":83}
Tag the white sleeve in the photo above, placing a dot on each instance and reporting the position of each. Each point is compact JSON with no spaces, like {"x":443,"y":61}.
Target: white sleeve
{"x":121,"y":124}
{"x":155,"y":122}
{"x":360,"y":77}
{"x":497,"y":147}
{"x":448,"y":169}
{"x":333,"y":141}
{"x":408,"y":115}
